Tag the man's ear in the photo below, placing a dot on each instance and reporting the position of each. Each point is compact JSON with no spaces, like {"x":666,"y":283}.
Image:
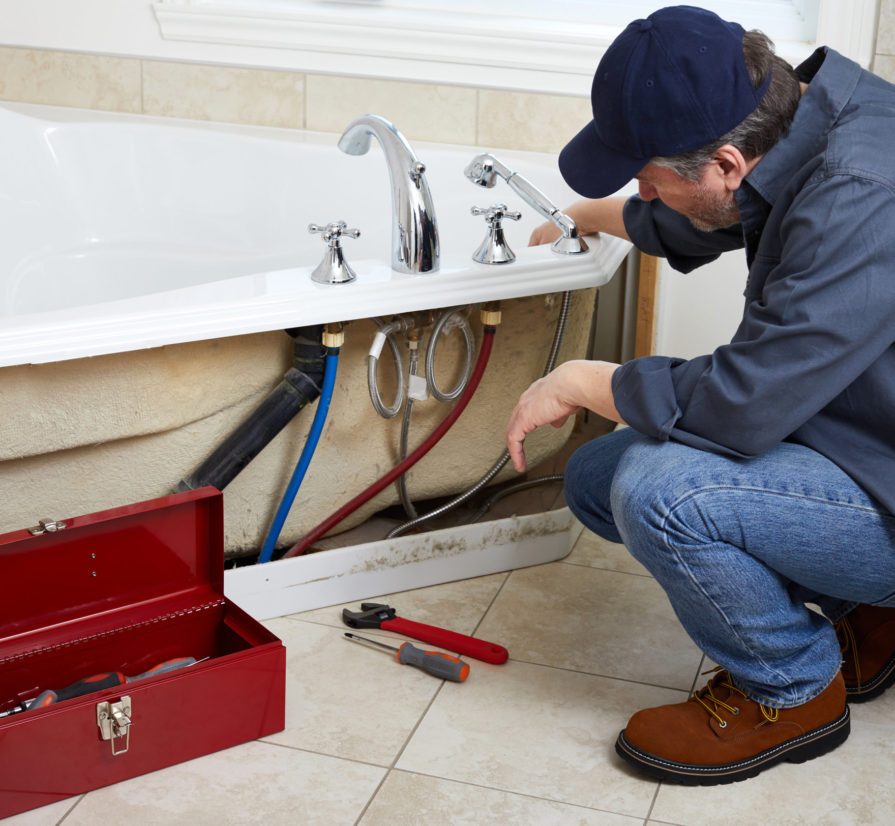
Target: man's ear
{"x":732,"y":166}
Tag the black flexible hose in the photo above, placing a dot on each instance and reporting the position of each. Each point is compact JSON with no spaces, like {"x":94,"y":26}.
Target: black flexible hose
{"x":300,"y":386}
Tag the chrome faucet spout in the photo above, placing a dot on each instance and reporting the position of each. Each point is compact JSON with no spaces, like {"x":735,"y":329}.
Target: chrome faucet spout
{"x":415,"y":247}
{"x":484,"y":170}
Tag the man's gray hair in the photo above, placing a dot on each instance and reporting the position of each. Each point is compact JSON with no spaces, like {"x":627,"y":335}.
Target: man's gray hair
{"x":764,"y":126}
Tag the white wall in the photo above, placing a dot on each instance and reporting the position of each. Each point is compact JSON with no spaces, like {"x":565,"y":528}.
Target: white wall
{"x":700,"y":310}
{"x":120,"y":27}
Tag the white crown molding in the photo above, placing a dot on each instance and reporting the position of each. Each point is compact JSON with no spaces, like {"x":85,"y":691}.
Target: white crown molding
{"x":413,"y":44}
{"x":438,"y":46}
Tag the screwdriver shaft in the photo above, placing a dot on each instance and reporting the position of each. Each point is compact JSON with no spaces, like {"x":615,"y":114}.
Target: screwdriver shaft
{"x":371,"y":642}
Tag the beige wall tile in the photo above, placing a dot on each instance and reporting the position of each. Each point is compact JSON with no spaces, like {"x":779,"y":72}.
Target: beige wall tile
{"x":223,"y":93}
{"x":70,"y":79}
{"x":539,"y":123}
{"x":885,"y":35}
{"x":884,"y":66}
{"x":421,"y":111}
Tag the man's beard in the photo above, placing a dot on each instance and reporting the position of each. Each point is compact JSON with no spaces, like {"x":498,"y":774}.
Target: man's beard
{"x":712,"y":211}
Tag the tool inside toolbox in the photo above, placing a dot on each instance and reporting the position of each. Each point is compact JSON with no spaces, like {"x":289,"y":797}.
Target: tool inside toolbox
{"x":205,"y":632}
{"x":119,"y":591}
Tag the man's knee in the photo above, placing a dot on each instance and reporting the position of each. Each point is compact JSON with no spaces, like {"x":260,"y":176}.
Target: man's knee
{"x":651,"y":479}
{"x":578,"y":480}
{"x":588,"y":478}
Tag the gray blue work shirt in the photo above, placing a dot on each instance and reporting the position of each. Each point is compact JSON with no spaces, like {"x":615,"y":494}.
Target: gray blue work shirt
{"x":813,"y":359}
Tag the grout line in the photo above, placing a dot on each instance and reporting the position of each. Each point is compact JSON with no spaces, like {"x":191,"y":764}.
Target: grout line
{"x":71,"y":809}
{"x":695,"y":684}
{"x":652,"y":804}
{"x":401,"y":750}
{"x":328,"y":755}
{"x":422,"y":716}
{"x":601,"y":676}
{"x":565,"y":561}
{"x":497,"y":593}
{"x":367,"y":805}
{"x":515,"y":793}
{"x":393,"y":767}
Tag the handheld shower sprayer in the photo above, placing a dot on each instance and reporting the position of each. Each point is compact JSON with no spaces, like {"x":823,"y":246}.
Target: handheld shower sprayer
{"x":484,"y":170}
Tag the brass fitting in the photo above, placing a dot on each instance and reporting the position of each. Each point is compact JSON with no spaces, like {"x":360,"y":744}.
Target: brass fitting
{"x":490,"y":314}
{"x":333,"y":335}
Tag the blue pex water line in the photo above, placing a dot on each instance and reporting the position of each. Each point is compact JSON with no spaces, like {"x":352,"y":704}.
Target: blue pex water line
{"x":326,"y":394}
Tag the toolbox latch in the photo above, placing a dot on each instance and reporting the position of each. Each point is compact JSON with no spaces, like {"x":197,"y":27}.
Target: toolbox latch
{"x":47,"y":526}
{"x":114,"y":721}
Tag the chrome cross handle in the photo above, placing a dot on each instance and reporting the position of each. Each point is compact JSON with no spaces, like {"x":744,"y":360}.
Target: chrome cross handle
{"x":333,"y":269}
{"x":495,"y":249}
{"x":496,"y":212}
{"x":333,"y":231}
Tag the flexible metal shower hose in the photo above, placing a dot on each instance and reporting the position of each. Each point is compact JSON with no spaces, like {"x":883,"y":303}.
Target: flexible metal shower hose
{"x":505,"y":457}
{"x":387,"y":330}
{"x":461,"y":322}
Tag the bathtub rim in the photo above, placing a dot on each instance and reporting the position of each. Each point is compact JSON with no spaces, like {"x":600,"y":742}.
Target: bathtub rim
{"x":266,"y":301}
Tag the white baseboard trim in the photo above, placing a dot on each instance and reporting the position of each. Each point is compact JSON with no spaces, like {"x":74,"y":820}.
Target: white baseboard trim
{"x":387,"y":566}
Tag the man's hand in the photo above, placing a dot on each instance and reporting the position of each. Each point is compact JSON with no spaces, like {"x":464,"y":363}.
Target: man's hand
{"x":546,"y":233}
{"x":560,"y":394}
{"x":591,"y":217}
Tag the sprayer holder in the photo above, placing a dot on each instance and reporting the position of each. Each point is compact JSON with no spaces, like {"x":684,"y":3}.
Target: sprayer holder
{"x":125,"y":590}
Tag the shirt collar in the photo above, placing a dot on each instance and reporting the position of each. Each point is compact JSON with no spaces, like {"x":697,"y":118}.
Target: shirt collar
{"x":831,"y":80}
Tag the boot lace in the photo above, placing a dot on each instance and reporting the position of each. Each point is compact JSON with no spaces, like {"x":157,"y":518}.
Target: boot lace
{"x":847,"y":642}
{"x":707,"y":698}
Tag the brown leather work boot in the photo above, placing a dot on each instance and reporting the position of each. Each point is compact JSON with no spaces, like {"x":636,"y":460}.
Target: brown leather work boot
{"x":867,"y":639}
{"x":719,"y":735}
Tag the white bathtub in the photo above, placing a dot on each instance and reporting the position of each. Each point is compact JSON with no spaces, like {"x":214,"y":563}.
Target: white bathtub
{"x":126,"y":232}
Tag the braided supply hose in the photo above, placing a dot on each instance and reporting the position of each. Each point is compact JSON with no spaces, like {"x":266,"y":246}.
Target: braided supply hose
{"x":330,"y":522}
{"x":505,"y":456}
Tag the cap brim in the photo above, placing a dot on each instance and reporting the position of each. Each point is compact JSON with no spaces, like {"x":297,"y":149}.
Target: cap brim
{"x":593,"y":169}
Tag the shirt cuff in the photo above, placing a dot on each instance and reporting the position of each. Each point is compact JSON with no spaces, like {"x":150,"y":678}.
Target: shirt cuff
{"x":644,"y":396}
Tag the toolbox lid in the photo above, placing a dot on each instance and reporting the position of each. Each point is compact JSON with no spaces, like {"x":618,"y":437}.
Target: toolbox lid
{"x":129,"y":559}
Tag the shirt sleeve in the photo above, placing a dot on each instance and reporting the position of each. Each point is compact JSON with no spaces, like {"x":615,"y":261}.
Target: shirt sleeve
{"x":822,"y":314}
{"x":658,"y":230}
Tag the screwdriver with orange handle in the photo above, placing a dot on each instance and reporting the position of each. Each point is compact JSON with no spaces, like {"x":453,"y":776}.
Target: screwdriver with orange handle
{"x":96,"y":682}
{"x":436,"y":663}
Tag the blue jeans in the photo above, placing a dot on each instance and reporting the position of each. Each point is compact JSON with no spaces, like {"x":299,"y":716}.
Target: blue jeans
{"x":740,"y":545}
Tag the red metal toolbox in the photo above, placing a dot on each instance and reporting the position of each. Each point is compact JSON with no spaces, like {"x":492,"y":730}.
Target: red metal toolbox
{"x":122,"y":591}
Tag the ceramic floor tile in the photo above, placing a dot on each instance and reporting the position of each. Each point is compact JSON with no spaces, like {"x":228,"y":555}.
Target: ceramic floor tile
{"x":595,"y":621}
{"x":457,"y":606}
{"x":252,"y":783}
{"x":347,"y":700}
{"x":596,"y":552}
{"x":850,"y":786}
{"x":538,"y":731}
{"x":411,"y":799}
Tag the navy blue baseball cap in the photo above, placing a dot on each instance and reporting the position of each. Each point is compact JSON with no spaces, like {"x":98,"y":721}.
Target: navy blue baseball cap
{"x":668,"y":84}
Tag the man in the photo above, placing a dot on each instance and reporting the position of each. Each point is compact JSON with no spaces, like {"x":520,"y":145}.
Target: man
{"x":761,"y":477}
